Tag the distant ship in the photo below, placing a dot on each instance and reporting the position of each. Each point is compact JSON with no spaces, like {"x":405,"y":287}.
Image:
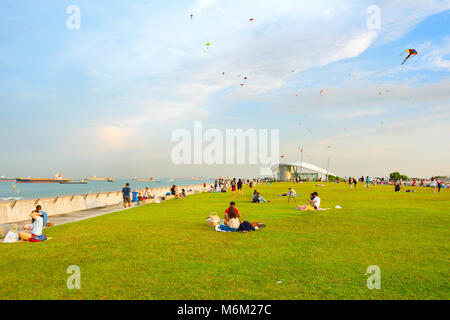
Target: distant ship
{"x":94,"y":178}
{"x":4,"y":179}
{"x":144,"y":180}
{"x":73,"y":182}
{"x":57,"y":179}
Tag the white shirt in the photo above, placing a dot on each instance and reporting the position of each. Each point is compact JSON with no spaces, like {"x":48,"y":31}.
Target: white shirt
{"x":37,"y":226}
{"x":316,"y":202}
{"x":292,"y":192}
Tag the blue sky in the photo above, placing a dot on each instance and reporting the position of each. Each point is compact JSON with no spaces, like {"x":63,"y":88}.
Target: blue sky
{"x":105,"y":99}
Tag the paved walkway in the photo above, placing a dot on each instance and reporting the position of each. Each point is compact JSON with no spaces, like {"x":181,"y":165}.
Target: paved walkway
{"x":66,"y":217}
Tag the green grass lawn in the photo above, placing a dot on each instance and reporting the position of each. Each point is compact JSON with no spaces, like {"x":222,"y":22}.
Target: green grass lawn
{"x":166,"y":251}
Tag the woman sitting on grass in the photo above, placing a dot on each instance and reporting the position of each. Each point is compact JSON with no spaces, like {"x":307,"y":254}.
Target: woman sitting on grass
{"x":232,"y":223}
{"x":314,"y":203}
{"x":257,"y":198}
{"x":36,"y":232}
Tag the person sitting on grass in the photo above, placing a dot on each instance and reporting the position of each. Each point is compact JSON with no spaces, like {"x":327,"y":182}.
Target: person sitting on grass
{"x":36,"y":232}
{"x":257,"y":198}
{"x":233,"y":222}
{"x":314,"y":203}
{"x":236,"y":210}
{"x":146,"y":194}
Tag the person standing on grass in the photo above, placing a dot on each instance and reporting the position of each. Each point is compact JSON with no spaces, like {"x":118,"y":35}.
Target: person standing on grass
{"x":438,"y":184}
{"x":239,"y":187}
{"x":355,"y":181}
{"x":126,"y":192}
{"x":433,"y":184}
{"x":291,"y":195}
{"x":367,"y":182}
{"x":233,"y":187}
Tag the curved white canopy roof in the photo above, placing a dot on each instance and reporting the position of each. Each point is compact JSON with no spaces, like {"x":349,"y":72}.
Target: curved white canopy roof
{"x":304,"y":165}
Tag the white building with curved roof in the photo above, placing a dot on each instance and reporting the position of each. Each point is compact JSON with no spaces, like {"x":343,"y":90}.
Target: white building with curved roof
{"x":307,"y":171}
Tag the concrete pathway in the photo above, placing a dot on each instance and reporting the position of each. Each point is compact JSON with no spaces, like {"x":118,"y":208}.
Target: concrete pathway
{"x":66,"y":217}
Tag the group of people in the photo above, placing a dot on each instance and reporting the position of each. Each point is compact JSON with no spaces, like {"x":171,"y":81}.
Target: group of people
{"x":39,"y":221}
{"x":142,"y":195}
{"x":225,"y":184}
{"x":232,"y":223}
{"x":314,"y":203}
{"x":352,"y":181}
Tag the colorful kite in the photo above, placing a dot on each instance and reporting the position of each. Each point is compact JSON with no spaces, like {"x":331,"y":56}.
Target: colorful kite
{"x":411,"y":52}
{"x":251,"y":19}
{"x":207,"y":45}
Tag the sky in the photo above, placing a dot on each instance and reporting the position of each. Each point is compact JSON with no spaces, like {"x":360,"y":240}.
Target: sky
{"x":106,"y":98}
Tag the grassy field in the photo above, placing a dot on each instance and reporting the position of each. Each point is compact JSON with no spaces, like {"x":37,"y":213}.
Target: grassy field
{"x":166,"y":251}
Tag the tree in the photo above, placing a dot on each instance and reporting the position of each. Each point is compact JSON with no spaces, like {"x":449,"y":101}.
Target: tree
{"x":397,"y":176}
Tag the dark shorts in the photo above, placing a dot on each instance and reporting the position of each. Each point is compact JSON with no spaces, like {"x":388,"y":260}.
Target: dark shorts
{"x":126,"y":199}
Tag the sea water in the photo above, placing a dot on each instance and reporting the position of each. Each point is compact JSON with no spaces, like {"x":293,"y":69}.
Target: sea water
{"x":44,"y":190}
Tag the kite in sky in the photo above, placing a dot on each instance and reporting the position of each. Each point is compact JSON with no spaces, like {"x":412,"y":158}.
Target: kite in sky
{"x":411,"y":52}
{"x":192,"y":16}
{"x":207,"y":45}
{"x":251,"y":19}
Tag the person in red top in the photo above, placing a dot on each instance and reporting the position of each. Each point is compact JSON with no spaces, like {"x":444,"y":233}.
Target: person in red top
{"x":238,"y":214}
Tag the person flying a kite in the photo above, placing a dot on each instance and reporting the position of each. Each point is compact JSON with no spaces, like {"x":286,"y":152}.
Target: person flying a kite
{"x":411,"y":52}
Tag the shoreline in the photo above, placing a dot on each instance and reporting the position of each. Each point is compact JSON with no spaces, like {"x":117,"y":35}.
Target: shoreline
{"x":19,"y":210}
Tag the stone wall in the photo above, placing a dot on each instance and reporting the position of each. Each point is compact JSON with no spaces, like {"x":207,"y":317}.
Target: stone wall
{"x":15,"y":211}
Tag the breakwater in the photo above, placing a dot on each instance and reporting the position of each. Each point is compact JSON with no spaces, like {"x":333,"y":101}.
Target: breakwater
{"x":19,"y":210}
